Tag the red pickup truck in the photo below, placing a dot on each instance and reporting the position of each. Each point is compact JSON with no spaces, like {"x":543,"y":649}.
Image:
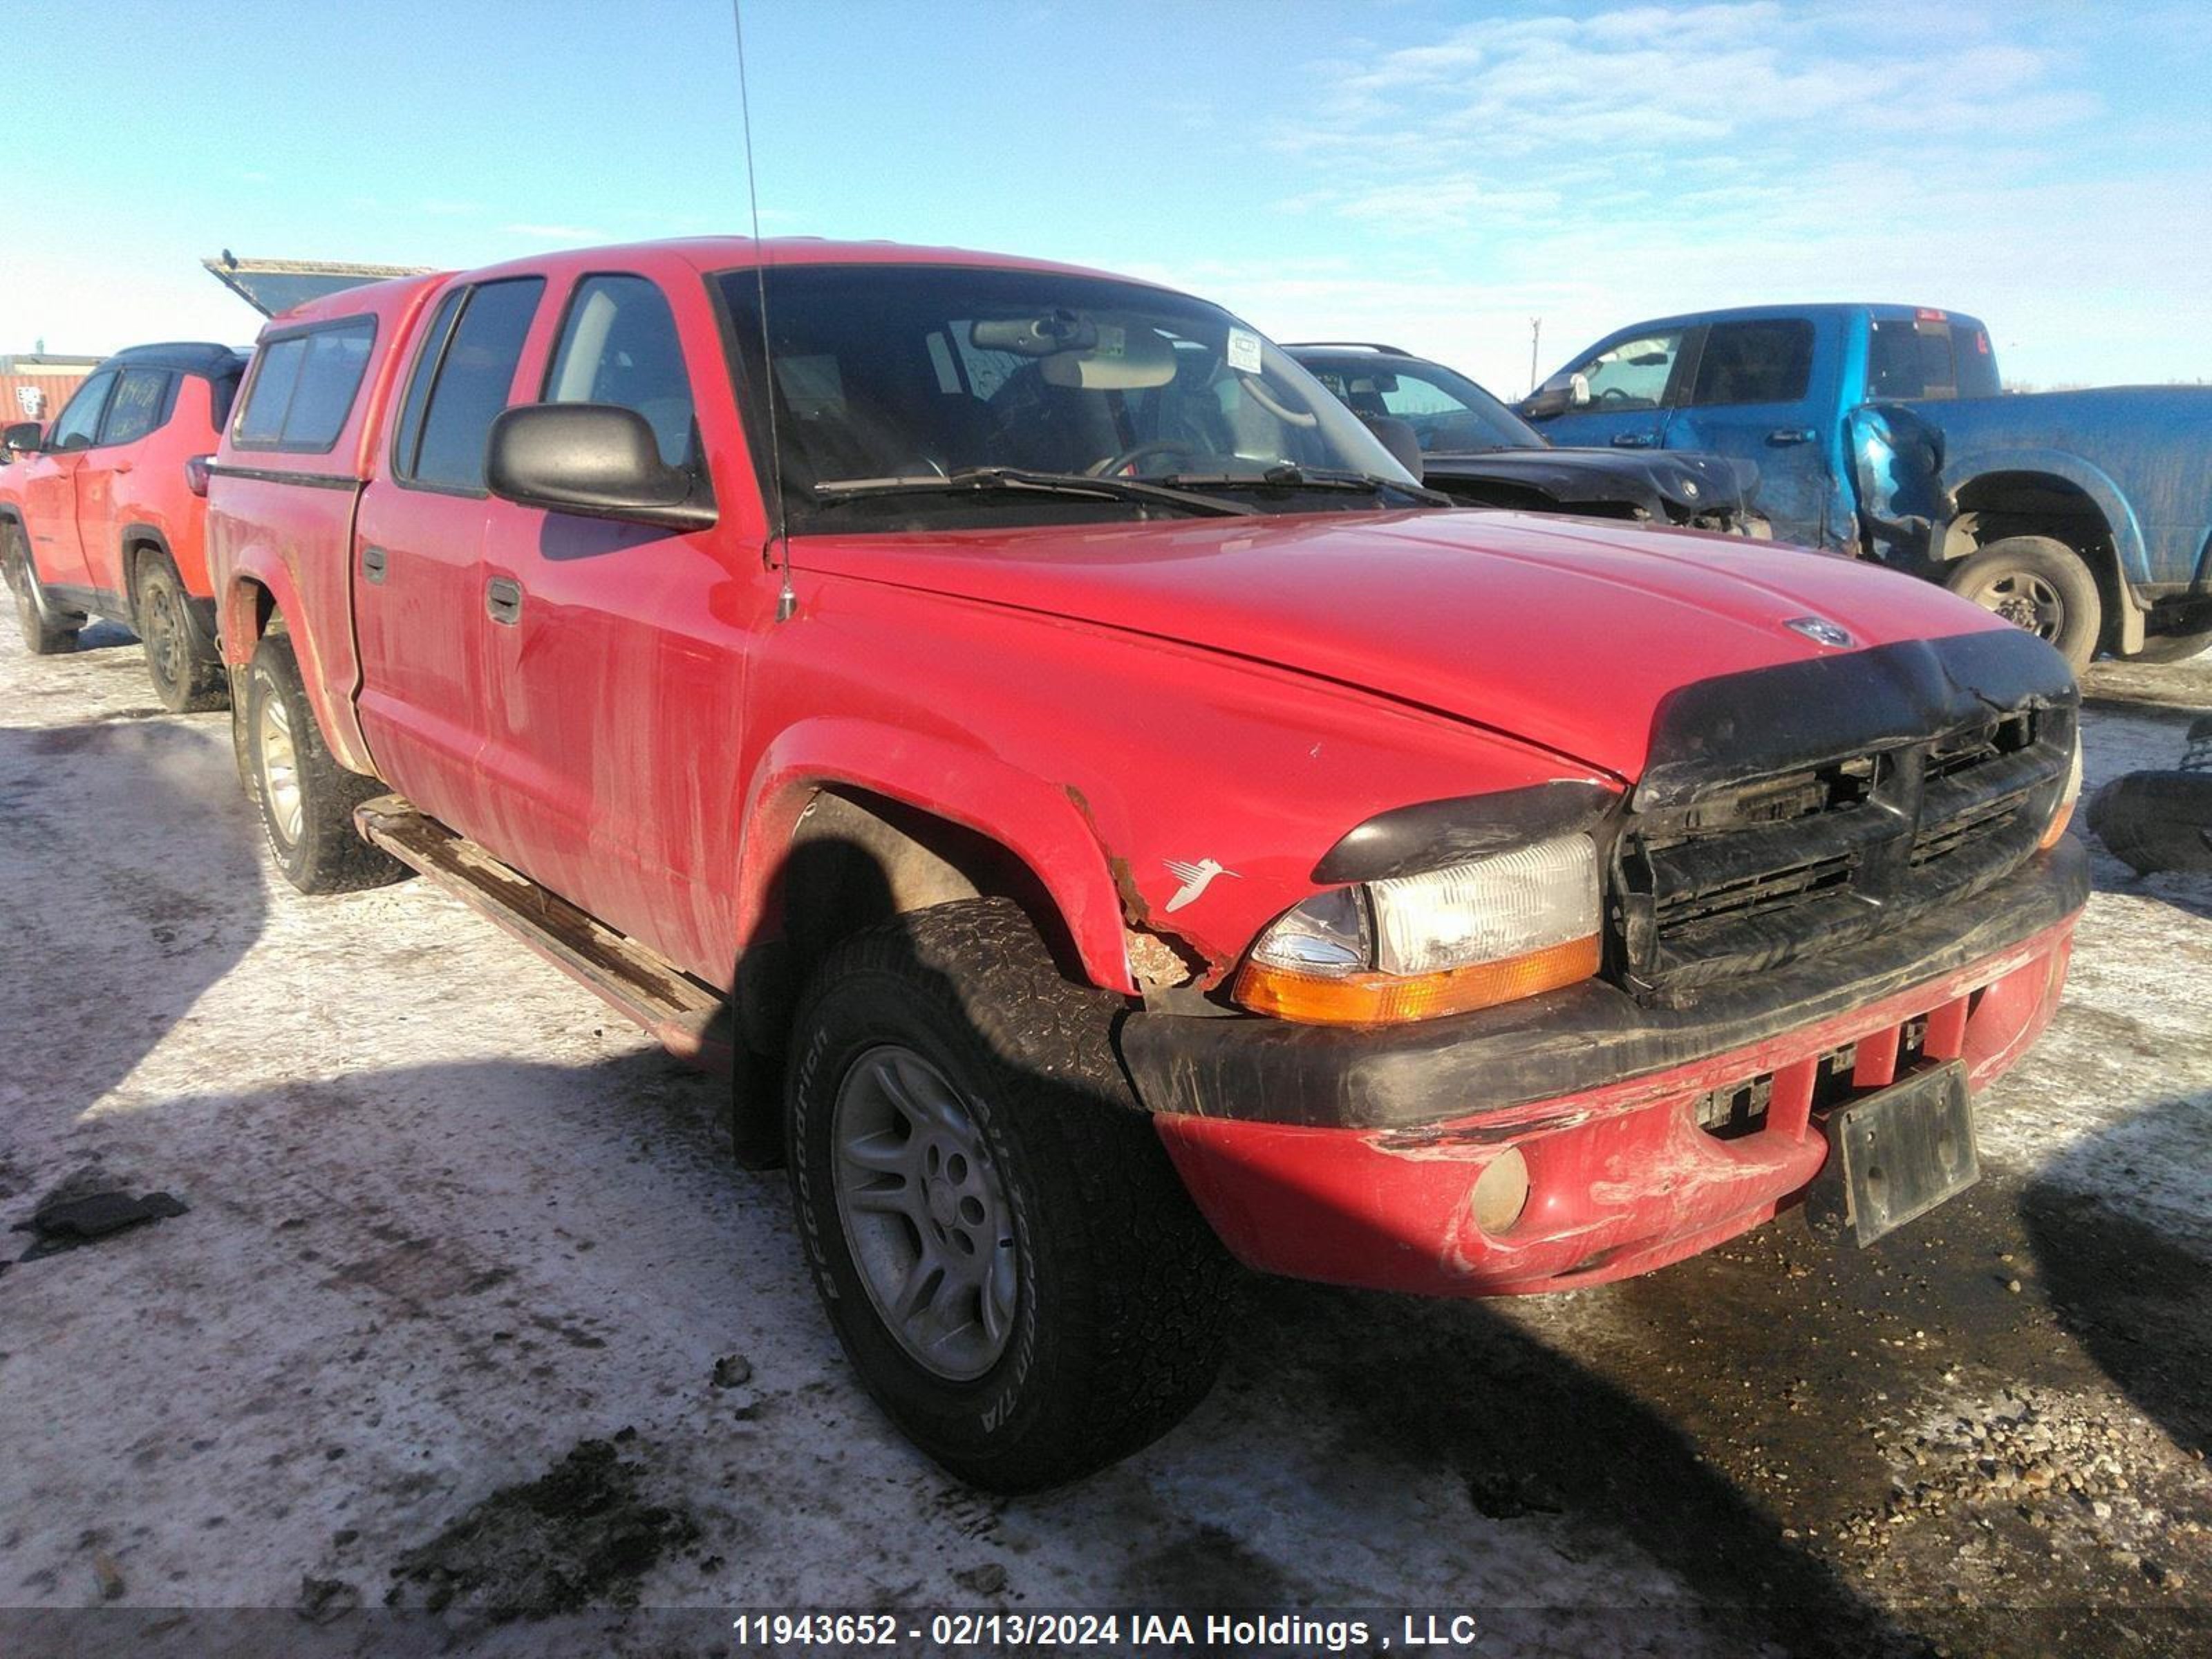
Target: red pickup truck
{"x":1149,"y":830}
{"x":104,"y":513}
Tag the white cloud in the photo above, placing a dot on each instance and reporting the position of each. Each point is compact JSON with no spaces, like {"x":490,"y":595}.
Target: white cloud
{"x":1652,"y":158}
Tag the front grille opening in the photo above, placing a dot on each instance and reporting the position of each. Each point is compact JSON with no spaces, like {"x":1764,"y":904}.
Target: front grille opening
{"x":1962,"y":751}
{"x":1940,"y":840}
{"x":1782,"y":800}
{"x":1769,"y":890}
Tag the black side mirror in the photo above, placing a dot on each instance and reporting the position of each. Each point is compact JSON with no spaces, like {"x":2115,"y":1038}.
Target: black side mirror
{"x":1399,"y":439}
{"x":597,"y":461}
{"x":1545,"y":402}
{"x":22,"y":438}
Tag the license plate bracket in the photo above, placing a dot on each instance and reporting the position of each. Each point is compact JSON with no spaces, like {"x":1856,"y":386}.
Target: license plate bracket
{"x":1896,"y":1154}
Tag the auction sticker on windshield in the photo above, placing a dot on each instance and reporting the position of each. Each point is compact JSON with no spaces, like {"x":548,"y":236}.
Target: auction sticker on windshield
{"x":1244,"y":351}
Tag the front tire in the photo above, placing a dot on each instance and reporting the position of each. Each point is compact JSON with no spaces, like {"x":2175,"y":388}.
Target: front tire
{"x":996,"y":1231}
{"x":47,"y":631}
{"x":307,"y":798}
{"x":2040,"y":585}
{"x":186,"y":676}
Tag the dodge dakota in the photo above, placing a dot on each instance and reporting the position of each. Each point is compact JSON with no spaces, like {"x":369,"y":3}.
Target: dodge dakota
{"x":1110,"y":822}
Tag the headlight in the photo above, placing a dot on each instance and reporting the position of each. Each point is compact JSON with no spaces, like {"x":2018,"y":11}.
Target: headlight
{"x":1493,"y":930}
{"x":2062,"y":814}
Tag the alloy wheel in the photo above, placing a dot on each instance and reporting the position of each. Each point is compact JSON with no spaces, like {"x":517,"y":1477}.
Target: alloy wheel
{"x":280,"y":769}
{"x":925,"y":1213}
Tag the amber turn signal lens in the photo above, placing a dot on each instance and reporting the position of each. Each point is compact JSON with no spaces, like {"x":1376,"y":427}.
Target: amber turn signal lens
{"x":2059,"y":820}
{"x":1370,"y":999}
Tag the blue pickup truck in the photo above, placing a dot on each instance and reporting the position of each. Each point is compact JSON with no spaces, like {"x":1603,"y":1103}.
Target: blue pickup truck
{"x":1880,"y":430}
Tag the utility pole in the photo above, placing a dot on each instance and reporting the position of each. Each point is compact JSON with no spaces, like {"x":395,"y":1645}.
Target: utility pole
{"x":1535,"y":335}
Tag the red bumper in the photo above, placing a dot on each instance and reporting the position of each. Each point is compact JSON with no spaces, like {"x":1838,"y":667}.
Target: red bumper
{"x":1622,"y":1179}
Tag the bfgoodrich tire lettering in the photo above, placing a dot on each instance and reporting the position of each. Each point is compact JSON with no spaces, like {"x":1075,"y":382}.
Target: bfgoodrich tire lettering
{"x":307,"y":798}
{"x":1123,"y":1293}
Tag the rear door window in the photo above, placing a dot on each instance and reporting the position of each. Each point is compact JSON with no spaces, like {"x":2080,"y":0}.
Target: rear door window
{"x":1631,"y":375}
{"x":142,"y":400}
{"x":470,"y":380}
{"x":618,"y":346}
{"x":306,"y":387}
{"x":1765,"y":362}
{"x":1930,"y":357}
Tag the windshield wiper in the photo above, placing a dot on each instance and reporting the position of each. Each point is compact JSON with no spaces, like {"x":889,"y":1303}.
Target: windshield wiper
{"x":985,"y":480}
{"x":1291,"y":476}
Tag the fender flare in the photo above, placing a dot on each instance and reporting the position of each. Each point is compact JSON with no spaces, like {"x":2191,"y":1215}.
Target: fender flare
{"x":238,"y":632}
{"x":140,"y":533}
{"x":1039,"y":823}
{"x":1962,"y":471}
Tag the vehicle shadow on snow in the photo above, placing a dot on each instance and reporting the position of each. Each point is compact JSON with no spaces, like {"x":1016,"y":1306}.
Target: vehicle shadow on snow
{"x":1551,"y":1454}
{"x":130,"y":883}
{"x":103,"y":635}
{"x":2137,"y":1297}
{"x":1349,"y":1412}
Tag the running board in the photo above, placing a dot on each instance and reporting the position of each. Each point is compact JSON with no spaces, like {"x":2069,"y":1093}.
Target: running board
{"x":689,"y":1017}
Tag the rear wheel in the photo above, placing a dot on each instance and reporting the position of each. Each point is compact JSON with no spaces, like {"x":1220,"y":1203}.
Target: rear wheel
{"x":306,"y":798}
{"x":2040,"y":585}
{"x":997,"y":1233}
{"x":186,"y":676}
{"x":47,"y":632}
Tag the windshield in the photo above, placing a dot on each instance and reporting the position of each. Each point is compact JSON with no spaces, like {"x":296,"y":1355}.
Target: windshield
{"x":1449,"y":412}
{"x":894,"y":375}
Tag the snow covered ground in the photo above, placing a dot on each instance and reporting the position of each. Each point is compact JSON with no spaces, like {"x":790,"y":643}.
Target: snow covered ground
{"x":450,"y":1221}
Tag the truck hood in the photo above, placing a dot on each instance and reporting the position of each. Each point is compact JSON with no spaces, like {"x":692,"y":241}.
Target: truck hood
{"x":1664,"y":485}
{"x":1567,"y":636}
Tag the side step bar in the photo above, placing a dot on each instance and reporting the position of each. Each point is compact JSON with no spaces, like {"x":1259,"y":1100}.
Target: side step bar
{"x":690,"y":1018}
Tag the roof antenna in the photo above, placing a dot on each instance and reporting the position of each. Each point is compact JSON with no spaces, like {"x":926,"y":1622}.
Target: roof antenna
{"x":787,"y":601}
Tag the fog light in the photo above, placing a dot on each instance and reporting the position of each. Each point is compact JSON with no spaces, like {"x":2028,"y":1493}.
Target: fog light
{"x":1501,"y":1192}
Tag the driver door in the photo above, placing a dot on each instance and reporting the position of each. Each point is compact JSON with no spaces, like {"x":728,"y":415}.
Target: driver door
{"x":1630,"y":381}
{"x":49,"y":485}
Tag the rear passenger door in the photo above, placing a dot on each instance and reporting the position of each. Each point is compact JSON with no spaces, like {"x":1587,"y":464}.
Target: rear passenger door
{"x":615,"y":661}
{"x":1756,"y":392}
{"x":419,"y":598}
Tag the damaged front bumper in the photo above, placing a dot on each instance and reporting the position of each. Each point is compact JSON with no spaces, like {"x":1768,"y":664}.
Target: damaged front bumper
{"x":1648,"y":1134}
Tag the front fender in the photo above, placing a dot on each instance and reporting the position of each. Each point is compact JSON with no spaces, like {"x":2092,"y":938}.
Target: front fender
{"x":1042,"y":824}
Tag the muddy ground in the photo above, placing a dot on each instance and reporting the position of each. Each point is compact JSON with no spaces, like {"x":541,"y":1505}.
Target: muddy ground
{"x":469,"y":1317}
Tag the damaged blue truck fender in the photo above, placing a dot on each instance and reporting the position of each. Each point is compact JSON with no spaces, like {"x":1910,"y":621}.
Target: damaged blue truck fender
{"x":1881,"y":431}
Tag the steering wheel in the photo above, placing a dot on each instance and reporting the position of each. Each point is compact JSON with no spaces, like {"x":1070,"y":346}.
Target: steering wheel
{"x":1114,"y":465}
{"x":1613,"y":394}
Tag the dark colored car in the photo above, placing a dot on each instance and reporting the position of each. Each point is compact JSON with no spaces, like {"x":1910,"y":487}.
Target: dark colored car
{"x":1478,"y":451}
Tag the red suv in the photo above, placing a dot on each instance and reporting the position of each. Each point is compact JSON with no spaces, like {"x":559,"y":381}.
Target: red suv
{"x":1145,"y":826}
{"x":104,"y":513}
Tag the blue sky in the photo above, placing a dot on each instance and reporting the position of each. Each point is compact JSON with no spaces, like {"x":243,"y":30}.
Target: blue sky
{"x":1432,"y":175}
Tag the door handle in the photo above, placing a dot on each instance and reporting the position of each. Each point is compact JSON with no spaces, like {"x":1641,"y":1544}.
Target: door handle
{"x":1791,"y":435}
{"x":1631,"y":441}
{"x":121,"y":467}
{"x":503,"y":598}
{"x":372,"y":563}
